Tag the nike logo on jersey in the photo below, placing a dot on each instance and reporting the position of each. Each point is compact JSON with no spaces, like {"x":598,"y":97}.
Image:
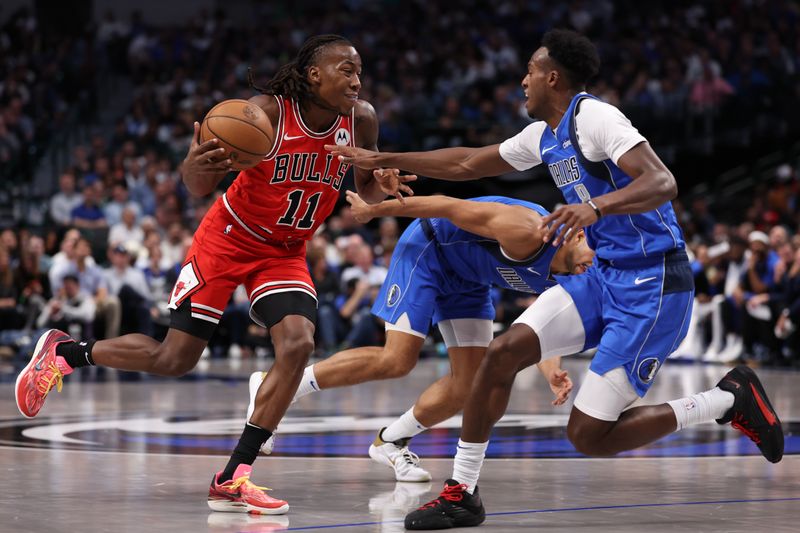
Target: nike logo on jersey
{"x":287,"y":137}
{"x":639,"y":281}
{"x":548,"y":149}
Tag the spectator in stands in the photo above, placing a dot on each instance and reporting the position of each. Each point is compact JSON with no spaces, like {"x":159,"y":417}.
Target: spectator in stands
{"x":330,"y":326}
{"x":758,"y":279}
{"x":361,"y":283}
{"x":72,"y":310}
{"x":32,"y":281}
{"x":88,"y":213}
{"x":127,"y":230}
{"x":9,"y":294}
{"x":129,"y":285}
{"x":119,"y":202}
{"x":65,"y":201}
{"x":10,"y":242}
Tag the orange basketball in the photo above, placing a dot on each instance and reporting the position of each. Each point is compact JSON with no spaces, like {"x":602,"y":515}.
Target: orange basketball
{"x":243,"y":129}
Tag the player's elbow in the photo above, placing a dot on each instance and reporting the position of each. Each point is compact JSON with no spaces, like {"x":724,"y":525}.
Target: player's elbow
{"x":669,"y":186}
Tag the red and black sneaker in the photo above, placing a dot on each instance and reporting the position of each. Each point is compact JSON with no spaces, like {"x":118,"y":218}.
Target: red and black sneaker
{"x":455,"y":507}
{"x":752,"y":414}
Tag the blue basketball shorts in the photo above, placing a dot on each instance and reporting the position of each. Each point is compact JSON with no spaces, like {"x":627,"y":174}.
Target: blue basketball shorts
{"x":421,"y":286}
{"x":636,"y":313}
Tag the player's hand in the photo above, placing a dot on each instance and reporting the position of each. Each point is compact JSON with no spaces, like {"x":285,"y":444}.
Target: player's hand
{"x":206,"y":159}
{"x":358,"y":157}
{"x":392,"y":183}
{"x":569,"y":218}
{"x":361,"y":210}
{"x":561,"y":385}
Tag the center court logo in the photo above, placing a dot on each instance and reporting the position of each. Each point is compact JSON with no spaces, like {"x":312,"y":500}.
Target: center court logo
{"x":205,"y":433}
{"x":393,"y":295}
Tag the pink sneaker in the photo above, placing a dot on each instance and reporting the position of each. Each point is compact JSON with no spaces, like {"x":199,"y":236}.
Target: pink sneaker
{"x":44,"y":370}
{"x":240,"y":495}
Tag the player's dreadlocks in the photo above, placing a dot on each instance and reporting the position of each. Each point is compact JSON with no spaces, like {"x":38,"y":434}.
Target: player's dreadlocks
{"x":290,"y":80}
{"x":575,"y":53}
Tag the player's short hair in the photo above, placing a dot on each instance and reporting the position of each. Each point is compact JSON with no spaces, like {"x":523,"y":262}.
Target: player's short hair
{"x":290,"y":80}
{"x":574,"y":53}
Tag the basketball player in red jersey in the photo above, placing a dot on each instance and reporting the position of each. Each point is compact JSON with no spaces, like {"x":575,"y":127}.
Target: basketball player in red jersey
{"x":253,"y":235}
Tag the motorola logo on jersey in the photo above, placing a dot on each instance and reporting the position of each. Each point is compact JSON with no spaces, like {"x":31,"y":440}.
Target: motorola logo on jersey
{"x":647,"y":369}
{"x":565,"y":171}
{"x":393,"y":296}
{"x":342,"y":137}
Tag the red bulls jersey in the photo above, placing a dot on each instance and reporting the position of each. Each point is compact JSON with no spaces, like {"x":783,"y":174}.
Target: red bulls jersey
{"x":293,"y":190}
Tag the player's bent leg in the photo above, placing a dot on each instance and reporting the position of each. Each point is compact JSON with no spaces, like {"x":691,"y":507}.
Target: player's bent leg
{"x":486,"y":403}
{"x":293,"y":339}
{"x":397,"y":358}
{"x":599,"y":425}
{"x":446,"y":397}
{"x":437,"y":403}
{"x":57,"y":354}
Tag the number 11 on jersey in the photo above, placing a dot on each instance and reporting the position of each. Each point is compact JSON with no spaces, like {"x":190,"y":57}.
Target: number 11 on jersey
{"x":295,"y":199}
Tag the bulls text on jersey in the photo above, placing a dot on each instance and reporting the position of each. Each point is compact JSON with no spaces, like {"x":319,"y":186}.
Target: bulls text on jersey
{"x":299,"y":166}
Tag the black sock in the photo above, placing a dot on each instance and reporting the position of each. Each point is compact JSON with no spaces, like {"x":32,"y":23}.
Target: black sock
{"x":76,"y":354}
{"x":253,"y":437}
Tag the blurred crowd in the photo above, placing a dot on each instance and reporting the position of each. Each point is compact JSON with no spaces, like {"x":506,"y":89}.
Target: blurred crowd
{"x":42,"y":76}
{"x":120,"y":219}
{"x":747,"y":277}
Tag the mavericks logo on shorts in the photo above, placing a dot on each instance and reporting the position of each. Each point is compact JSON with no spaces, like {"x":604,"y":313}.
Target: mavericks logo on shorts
{"x":647,"y":369}
{"x":393,"y":296}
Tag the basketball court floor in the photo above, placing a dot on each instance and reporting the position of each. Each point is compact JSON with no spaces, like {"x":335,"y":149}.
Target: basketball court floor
{"x":110,"y":454}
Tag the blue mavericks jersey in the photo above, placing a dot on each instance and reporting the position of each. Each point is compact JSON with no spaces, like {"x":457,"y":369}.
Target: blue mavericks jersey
{"x":481,"y":260}
{"x":615,"y":236}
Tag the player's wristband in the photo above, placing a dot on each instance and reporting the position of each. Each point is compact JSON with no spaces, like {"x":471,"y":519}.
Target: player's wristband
{"x":596,"y":209}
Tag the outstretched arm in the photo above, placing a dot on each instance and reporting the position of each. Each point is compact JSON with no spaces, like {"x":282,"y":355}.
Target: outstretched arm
{"x":455,"y":164}
{"x":374,"y":186}
{"x":515,"y":227}
{"x":652,"y":185}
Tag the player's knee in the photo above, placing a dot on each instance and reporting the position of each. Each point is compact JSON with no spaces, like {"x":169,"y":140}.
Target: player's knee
{"x":295,"y":350}
{"x":587,"y":442}
{"x":505,"y":354}
{"x":173,"y":363}
{"x":396,"y":365}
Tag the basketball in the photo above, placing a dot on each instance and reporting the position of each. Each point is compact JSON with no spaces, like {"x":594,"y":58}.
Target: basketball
{"x":243,"y":129}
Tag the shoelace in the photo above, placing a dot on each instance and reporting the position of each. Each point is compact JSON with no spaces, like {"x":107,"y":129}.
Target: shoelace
{"x":452,"y":493}
{"x":245,"y":480}
{"x":410,"y":457}
{"x":741,"y":424}
{"x":56,"y":378}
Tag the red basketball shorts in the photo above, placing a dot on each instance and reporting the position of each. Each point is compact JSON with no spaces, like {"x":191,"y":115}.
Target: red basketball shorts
{"x":223,"y":256}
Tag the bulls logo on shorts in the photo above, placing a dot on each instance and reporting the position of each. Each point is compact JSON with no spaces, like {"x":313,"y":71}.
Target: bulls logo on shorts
{"x":188,"y":282}
{"x":647,"y":369}
{"x":393,"y":296}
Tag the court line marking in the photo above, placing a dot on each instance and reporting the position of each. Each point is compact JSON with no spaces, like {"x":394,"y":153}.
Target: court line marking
{"x":568,"y":509}
{"x":9,"y":445}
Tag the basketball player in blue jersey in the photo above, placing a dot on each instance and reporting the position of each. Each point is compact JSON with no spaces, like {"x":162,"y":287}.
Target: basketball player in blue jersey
{"x":441,"y":273}
{"x":634,"y":303}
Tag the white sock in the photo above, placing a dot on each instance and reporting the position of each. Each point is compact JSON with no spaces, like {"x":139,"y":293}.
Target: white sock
{"x":308,"y":384}
{"x":468,"y":462}
{"x":701,"y":407}
{"x":404,"y":427}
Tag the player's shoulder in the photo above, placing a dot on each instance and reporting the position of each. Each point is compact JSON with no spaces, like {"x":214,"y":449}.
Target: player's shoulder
{"x":269,"y":103}
{"x":364,"y":111}
{"x":594,"y":107}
